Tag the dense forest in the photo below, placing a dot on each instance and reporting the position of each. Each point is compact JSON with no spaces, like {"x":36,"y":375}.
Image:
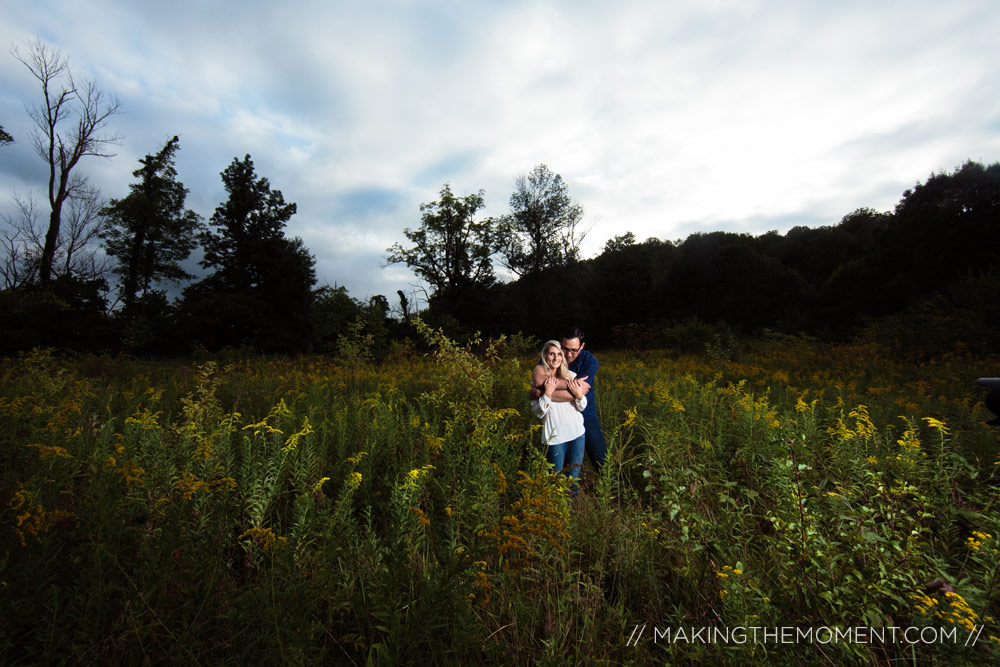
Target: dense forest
{"x":921,"y":278}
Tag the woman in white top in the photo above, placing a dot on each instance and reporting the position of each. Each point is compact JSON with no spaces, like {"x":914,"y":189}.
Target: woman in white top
{"x":562,"y":423}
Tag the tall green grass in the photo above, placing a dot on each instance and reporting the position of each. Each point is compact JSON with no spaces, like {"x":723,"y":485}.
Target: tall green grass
{"x":273,"y":510}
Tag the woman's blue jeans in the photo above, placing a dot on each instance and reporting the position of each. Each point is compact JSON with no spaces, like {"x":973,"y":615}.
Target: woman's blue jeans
{"x":567,"y":457}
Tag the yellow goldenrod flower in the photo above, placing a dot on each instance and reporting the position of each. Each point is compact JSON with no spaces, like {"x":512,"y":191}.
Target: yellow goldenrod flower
{"x":51,"y":452}
{"x":354,"y":481}
{"x":318,"y":486}
{"x":264,"y":537}
{"x":937,"y":425}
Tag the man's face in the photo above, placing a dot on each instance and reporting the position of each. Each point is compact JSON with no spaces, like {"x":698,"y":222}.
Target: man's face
{"x":571,"y":349}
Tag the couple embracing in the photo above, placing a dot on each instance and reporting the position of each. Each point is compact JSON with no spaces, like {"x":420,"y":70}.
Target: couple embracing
{"x":563,"y":398}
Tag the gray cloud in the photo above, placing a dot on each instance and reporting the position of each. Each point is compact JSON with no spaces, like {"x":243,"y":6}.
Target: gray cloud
{"x":663,"y":118}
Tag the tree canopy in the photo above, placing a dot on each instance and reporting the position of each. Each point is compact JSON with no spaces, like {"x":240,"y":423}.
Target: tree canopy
{"x":452,"y":249}
{"x":247,"y":226}
{"x":541,"y":230}
{"x":149,"y":232}
{"x":261,"y":290}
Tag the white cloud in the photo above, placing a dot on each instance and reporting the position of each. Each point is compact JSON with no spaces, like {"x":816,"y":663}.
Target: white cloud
{"x":662,"y":118}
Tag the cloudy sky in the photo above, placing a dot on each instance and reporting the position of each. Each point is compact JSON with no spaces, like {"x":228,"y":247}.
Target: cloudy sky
{"x":663,"y":118}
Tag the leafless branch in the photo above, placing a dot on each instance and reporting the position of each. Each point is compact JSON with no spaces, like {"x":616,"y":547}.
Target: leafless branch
{"x":69,"y":125}
{"x":76,"y":249}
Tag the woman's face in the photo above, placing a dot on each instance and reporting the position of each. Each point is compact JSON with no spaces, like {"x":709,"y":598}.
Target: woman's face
{"x":553,"y":357}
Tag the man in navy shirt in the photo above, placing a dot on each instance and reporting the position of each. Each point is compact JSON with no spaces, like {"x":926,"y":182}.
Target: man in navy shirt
{"x":584,"y":364}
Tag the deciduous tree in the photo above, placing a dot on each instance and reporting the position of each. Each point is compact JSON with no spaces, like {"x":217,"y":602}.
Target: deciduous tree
{"x":541,"y":231}
{"x":452,"y":249}
{"x":619,"y":243}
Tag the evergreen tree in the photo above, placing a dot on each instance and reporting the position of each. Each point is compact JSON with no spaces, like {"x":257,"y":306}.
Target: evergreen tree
{"x":261,"y":291}
{"x":149,"y":232}
{"x":248,"y":227}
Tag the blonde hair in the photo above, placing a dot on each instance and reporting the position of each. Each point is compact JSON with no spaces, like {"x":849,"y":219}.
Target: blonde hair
{"x":563,"y":371}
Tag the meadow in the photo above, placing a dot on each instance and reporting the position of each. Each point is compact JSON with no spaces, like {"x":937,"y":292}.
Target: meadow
{"x":318,"y":510}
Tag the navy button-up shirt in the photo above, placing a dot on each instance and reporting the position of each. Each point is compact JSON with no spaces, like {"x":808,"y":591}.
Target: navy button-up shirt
{"x":586,"y":364}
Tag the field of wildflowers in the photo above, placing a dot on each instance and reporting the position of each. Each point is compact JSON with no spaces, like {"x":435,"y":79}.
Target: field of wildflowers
{"x":309,"y":510}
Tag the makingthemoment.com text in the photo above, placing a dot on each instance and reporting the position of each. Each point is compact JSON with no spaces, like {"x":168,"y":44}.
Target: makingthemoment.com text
{"x":799,"y":635}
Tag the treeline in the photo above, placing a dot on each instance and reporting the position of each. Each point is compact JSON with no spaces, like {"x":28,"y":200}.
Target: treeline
{"x":94,"y":275}
{"x":921,"y":279}
{"x":259,"y":290}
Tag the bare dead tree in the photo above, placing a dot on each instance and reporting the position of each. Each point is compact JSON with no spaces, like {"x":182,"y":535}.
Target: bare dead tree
{"x":78,"y":248}
{"x":21,"y":242}
{"x":572,"y":237}
{"x":77,"y":252}
{"x":418,"y":293}
{"x":14,"y":266}
{"x":69,"y":124}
